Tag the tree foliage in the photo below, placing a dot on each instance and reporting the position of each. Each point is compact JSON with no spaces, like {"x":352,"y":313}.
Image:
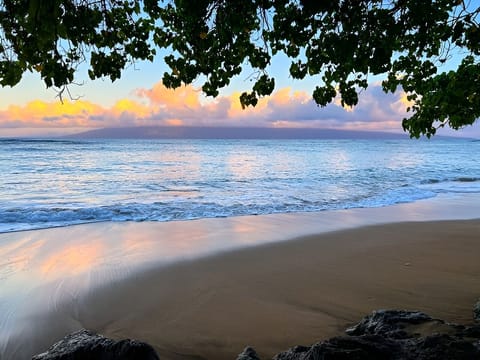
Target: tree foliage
{"x":338,"y":42}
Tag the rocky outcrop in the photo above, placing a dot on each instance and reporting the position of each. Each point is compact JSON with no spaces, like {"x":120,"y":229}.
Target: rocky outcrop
{"x":84,"y":344}
{"x":248,"y":354}
{"x":388,"y":323}
{"x":476,"y":311}
{"x":395,"y":335}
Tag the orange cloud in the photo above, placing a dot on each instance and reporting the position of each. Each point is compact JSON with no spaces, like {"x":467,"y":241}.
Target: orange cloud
{"x":68,"y":113}
{"x":174,"y":122}
{"x":127,"y":106}
{"x":281,"y":98}
{"x":235,"y":110}
{"x":181,"y":98}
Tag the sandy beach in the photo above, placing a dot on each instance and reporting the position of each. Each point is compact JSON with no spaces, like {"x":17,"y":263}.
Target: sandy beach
{"x":269,"y":294}
{"x":302,"y":291}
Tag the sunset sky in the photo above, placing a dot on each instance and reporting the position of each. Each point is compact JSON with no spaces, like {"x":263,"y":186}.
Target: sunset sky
{"x":139,"y":98}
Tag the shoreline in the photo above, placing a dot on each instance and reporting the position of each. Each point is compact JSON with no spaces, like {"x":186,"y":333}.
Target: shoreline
{"x":425,"y":210}
{"x":192,"y":294}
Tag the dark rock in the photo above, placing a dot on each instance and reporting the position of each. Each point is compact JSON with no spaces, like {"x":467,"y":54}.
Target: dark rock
{"x":368,"y":347}
{"x":83,"y":345}
{"x":471,"y":332}
{"x":389,"y":323}
{"x":248,"y":354}
{"x":476,"y":311}
{"x":442,"y":347}
{"x":395,"y":335}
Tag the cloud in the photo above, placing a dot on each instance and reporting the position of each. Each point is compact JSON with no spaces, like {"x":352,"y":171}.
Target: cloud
{"x":181,"y":99}
{"x":38,"y":114}
{"x":187,"y":106}
{"x":374,"y":111}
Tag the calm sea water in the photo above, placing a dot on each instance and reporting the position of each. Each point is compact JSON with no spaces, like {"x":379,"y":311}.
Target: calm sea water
{"x":47,"y":183}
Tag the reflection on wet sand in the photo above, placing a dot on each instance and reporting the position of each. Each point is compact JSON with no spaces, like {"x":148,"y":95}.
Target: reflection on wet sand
{"x":72,"y":260}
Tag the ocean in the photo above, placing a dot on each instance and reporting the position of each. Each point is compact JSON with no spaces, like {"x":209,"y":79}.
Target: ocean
{"x":51,"y":183}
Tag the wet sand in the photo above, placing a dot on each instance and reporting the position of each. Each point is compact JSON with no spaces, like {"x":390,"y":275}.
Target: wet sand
{"x":211,"y":287}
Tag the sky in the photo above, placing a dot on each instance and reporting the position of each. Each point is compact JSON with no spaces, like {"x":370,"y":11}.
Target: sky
{"x":139,"y":98}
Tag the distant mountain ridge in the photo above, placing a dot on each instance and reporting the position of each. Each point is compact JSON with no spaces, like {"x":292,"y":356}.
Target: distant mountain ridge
{"x":203,"y":132}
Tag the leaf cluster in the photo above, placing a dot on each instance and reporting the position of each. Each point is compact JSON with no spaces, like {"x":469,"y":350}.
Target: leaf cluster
{"x":54,"y":37}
